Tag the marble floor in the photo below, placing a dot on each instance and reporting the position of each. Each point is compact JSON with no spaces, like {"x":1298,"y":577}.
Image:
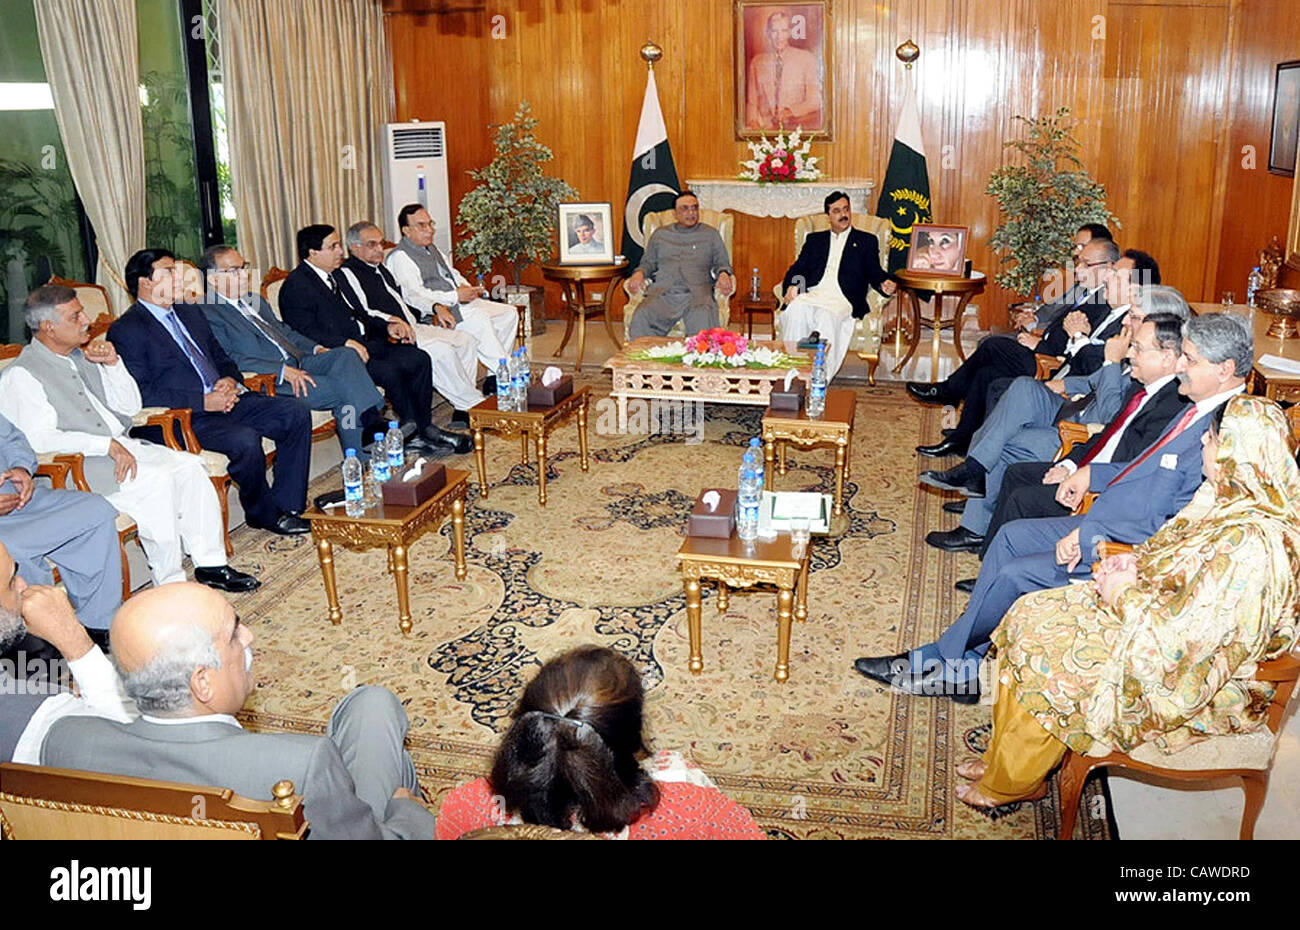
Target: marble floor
{"x":1144,"y":809}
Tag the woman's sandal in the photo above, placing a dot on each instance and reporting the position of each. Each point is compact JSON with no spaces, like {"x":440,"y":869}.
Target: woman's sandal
{"x":971,"y":796}
{"x":972,"y":769}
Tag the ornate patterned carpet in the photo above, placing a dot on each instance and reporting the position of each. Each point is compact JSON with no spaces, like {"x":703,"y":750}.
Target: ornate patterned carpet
{"x":826,"y":755}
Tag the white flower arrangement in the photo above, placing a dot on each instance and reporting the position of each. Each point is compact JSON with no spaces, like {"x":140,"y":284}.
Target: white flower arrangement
{"x":782,"y":160}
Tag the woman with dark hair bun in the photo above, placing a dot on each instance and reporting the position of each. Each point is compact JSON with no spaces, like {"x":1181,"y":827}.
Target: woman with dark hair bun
{"x":570,"y":761}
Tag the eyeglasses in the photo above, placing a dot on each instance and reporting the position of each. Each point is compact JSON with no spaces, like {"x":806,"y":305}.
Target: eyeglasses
{"x":1095,"y":264}
{"x":234,"y":268}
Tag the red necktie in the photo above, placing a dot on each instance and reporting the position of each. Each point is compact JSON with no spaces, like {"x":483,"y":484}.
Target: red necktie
{"x":1116,"y":425}
{"x":1164,"y":440}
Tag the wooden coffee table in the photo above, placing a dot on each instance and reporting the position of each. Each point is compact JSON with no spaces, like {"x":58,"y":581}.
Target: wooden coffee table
{"x":835,"y":426}
{"x":538,"y":421}
{"x":736,"y":564}
{"x":394,"y":528}
{"x":650,"y":379}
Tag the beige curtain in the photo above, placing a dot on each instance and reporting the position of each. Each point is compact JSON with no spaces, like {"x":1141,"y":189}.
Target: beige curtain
{"x":91,"y":62}
{"x":306,"y":87}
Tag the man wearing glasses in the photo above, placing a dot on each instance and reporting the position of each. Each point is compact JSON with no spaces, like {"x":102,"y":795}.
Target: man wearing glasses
{"x":1000,"y":357}
{"x":1076,"y":294}
{"x":321,"y":378}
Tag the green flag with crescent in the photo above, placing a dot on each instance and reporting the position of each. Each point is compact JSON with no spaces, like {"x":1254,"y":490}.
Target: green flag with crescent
{"x":653,"y":183}
{"x":905,"y":195}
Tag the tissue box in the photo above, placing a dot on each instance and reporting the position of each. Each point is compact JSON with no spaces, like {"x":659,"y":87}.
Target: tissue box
{"x":715,"y":523}
{"x":539,"y":395}
{"x":793,"y":399}
{"x":411,"y":493}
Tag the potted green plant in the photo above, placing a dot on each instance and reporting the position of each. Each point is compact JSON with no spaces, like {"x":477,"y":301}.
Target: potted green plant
{"x":1043,"y":201}
{"x":510,"y":216}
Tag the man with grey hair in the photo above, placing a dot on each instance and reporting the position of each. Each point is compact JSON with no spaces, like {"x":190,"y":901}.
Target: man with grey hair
{"x":74,"y":530}
{"x":187,"y":660}
{"x":320,"y":378}
{"x":66,"y":398}
{"x":29,"y":707}
{"x":1134,"y":499}
{"x":453,"y":353}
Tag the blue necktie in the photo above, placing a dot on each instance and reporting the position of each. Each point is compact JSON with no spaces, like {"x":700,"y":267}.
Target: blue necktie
{"x":206,"y":371}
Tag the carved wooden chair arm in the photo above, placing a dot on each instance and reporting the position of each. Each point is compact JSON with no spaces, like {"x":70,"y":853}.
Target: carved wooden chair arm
{"x":57,"y":472}
{"x":261,"y":384}
{"x":1071,"y":435}
{"x":1046,"y":365}
{"x":171,"y":421}
{"x":1089,"y":498}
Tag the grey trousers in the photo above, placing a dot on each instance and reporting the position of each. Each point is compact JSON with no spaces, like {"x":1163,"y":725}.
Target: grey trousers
{"x":78,"y":533}
{"x":658,"y":315}
{"x":369,"y":726}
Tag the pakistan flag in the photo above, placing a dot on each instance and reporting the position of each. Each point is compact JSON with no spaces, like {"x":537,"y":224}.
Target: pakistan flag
{"x":652,"y":184}
{"x":905,"y":196}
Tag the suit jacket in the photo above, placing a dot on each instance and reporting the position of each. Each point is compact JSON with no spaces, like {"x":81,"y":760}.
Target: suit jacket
{"x":1156,"y":414}
{"x":1105,"y":391}
{"x":1092,"y":356}
{"x":246,"y":344}
{"x":227,"y":756}
{"x":164,"y":373}
{"x":1132,"y":509}
{"x":309,"y":306}
{"x":859,"y":266}
{"x":15,"y":452}
{"x":1055,"y":338}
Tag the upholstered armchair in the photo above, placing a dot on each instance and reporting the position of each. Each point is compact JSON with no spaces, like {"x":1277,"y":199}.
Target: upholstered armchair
{"x":866,"y":332}
{"x":271,"y":285}
{"x":725,"y":224}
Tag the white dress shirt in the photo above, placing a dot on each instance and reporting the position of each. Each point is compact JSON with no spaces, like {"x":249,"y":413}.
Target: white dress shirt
{"x":829,"y":285}
{"x":408,"y":277}
{"x":23,"y":403}
{"x":102,"y":695}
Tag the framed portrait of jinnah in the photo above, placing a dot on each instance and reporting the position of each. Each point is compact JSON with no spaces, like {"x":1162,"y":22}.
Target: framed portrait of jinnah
{"x":585,"y":237}
{"x":783,"y":69}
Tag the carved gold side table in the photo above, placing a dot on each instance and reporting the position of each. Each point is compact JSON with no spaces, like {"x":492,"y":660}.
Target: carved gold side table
{"x":835,"y":425}
{"x":537,"y":421}
{"x":733,"y":563}
{"x":395,"y":528}
{"x":910,"y":285}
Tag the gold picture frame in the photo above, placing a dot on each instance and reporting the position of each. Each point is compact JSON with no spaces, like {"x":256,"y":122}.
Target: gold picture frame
{"x":774,"y":57}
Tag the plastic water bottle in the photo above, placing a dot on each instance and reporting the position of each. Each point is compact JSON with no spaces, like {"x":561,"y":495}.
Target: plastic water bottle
{"x":749,"y":491}
{"x":526,"y":364}
{"x":1253,"y":285}
{"x":379,"y":461}
{"x":520,"y":380}
{"x":755,"y":284}
{"x":353,"y":484}
{"x":760,"y":467}
{"x":394,"y":443}
{"x":817,"y":385}
{"x":505,"y":388}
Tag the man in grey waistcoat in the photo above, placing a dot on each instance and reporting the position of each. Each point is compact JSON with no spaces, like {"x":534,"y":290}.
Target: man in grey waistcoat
{"x":678,"y":271}
{"x":187,"y":660}
{"x":75,"y":531}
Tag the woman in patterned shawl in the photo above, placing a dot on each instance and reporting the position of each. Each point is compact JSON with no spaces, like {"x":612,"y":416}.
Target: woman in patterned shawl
{"x":1162,"y":647}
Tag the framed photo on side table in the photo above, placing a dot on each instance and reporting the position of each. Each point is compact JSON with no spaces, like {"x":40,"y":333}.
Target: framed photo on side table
{"x":585,"y":234}
{"x":938,"y":250}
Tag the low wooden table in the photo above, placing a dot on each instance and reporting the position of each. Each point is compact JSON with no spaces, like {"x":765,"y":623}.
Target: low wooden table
{"x":733,"y":563}
{"x":573,"y":281}
{"x":764,"y":303}
{"x":649,"y":379}
{"x":909,"y":284}
{"x":835,"y":425}
{"x":395,"y":528}
{"x":537,"y":421}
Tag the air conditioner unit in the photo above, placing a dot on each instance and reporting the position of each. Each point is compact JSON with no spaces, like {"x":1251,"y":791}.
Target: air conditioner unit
{"x":415,"y":171}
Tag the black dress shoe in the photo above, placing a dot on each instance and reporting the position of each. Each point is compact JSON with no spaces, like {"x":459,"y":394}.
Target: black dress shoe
{"x":955,"y":506}
{"x":286,"y":525}
{"x":225,"y":578}
{"x":885,"y":669}
{"x":928,"y":393}
{"x":959,"y":539}
{"x":460,"y":418}
{"x":934,"y":684}
{"x":490,"y":385}
{"x":959,"y":478}
{"x":940,"y":449}
{"x":456,"y":442}
{"x":965,"y":585}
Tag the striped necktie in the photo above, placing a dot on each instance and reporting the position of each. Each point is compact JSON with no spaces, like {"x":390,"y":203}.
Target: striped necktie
{"x":1116,"y":425}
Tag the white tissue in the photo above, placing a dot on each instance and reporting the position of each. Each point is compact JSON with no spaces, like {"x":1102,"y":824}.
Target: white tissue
{"x":712,"y":499}
{"x":414,"y":471}
{"x":551,"y":375}
{"x":789,"y":378}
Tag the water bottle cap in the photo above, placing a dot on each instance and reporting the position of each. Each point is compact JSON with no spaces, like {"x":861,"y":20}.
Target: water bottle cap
{"x":349,"y":453}
{"x":393,"y":424}
{"x":501,"y":361}
{"x":755,"y":442}
{"x":379,"y":437}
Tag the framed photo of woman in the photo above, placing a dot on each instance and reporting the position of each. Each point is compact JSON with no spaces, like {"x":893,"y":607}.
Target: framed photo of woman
{"x":585,"y":234}
{"x":938,"y":250}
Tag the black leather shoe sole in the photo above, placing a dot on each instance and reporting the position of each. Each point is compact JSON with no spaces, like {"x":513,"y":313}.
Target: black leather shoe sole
{"x":958,"y":540}
{"x":935,"y":479}
{"x":226,"y":580}
{"x":287,"y":525}
{"x":955,"y":506}
{"x":965,"y":585}
{"x":926,"y":393}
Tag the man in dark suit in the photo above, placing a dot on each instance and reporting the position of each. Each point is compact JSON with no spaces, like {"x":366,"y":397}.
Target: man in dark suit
{"x":1134,"y":500}
{"x":321,"y":378}
{"x":187,"y":660}
{"x":826,"y":287}
{"x":1031,"y":318}
{"x":320,"y":305}
{"x":171,"y":353}
{"x":1000,"y":357}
